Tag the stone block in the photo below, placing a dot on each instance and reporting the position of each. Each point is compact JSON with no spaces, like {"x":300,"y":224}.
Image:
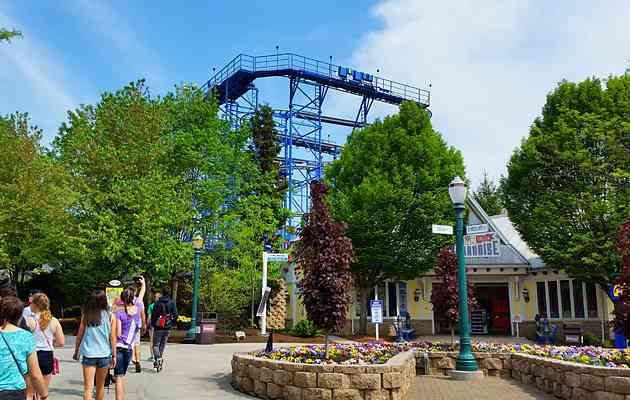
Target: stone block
{"x":538,"y":370}
{"x":305,"y":379}
{"x":377,"y":394}
{"x":445,"y":363}
{"x":549,"y":373}
{"x":392,"y":380}
{"x":617,"y":384}
{"x":572,"y":379}
{"x":516,"y":374}
{"x":366,"y":381}
{"x":347,"y":394}
{"x":540,"y":383}
{"x":260,"y":388}
{"x":397,"y":394}
{"x":507,"y":363}
{"x":274,"y":391}
{"x":247,"y":385}
{"x":281,"y":377}
{"x":591,"y":382}
{"x":581,"y":394}
{"x":565,"y":392}
{"x":601,"y":395}
{"x":505,"y":373}
{"x":492,"y":363}
{"x":330,"y":380}
{"x":548,"y":383}
{"x":349,"y":369}
{"x":254,"y":372}
{"x":265,"y":375}
{"x":316,"y":394}
{"x":527,"y":379}
{"x":292,"y":393}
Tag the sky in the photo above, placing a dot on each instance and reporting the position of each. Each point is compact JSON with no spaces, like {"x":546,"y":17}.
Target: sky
{"x":490,"y":64}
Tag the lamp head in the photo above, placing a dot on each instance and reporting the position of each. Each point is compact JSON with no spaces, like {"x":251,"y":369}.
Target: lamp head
{"x":457,"y":190}
{"x":197,"y":242}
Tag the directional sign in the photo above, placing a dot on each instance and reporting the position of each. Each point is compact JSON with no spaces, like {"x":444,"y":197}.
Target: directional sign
{"x":481,"y":228}
{"x":442,"y":229}
{"x":277,"y":257}
{"x":377,"y":311}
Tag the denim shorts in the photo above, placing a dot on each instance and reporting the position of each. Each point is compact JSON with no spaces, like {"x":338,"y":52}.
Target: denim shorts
{"x":98,"y":362}
{"x":123,"y":358}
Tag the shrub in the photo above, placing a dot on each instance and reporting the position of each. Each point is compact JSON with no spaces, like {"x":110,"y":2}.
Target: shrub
{"x":305,"y":329}
{"x":591,"y":340}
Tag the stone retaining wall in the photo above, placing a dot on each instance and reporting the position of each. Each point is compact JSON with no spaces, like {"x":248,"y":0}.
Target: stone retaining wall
{"x":566,"y":380}
{"x":293,"y":381}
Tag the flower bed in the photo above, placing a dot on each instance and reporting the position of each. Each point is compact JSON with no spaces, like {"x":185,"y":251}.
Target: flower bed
{"x":596,"y":356}
{"x":347,"y":354}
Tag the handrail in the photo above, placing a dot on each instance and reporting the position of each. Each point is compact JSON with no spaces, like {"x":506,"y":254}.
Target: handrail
{"x":299,"y":64}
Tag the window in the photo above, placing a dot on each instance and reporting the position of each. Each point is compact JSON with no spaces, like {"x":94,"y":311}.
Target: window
{"x":567,"y":299}
{"x":578,"y":299}
{"x":392,"y":294}
{"x":542,"y":299}
{"x":553,"y":299}
{"x":591,"y":300}
{"x":392,"y":299}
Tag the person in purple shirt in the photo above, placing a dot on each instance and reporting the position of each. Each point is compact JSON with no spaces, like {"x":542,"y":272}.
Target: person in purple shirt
{"x":129,"y":323}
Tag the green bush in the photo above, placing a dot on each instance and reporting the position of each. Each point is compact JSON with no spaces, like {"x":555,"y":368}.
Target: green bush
{"x":305,"y":329}
{"x":591,"y":340}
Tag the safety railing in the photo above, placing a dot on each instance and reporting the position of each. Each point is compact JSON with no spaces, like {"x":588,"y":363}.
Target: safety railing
{"x":297,"y":63}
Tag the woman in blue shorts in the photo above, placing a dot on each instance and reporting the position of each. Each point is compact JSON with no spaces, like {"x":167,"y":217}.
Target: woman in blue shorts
{"x":96,"y":342}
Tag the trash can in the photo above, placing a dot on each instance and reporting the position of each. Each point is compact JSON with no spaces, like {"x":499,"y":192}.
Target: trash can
{"x":206,"y":334}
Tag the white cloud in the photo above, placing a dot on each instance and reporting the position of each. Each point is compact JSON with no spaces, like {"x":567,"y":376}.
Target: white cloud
{"x":32,"y":79}
{"x":132,"y":51}
{"x":491,"y":63}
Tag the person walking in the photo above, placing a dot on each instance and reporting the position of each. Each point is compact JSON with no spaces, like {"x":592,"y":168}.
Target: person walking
{"x":96,"y":342}
{"x":48,"y":335}
{"x":163,"y":318}
{"x":18,"y":359}
{"x":128,"y":324}
{"x":138,"y":301}
{"x":156,"y":297}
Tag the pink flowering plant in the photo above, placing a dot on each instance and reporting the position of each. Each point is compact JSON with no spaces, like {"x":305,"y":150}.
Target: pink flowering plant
{"x":359,"y":353}
{"x":596,"y":356}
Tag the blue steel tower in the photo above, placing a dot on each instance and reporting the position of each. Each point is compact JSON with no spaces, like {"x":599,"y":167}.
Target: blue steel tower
{"x":303,"y":151}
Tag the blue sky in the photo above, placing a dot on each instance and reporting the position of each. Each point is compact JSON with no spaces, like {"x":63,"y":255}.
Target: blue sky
{"x":491,"y":63}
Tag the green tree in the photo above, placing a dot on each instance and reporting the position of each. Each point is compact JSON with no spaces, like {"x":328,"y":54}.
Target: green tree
{"x":568,"y":185}
{"x":488,"y":195}
{"x":34,"y":198}
{"x":7,"y":35}
{"x":389,"y":185}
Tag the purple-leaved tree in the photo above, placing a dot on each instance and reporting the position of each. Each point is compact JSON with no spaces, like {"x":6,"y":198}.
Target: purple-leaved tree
{"x":445,"y":295}
{"x":323,"y":255}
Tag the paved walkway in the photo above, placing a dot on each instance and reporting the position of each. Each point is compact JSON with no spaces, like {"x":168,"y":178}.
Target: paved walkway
{"x":191,"y":372}
{"x":443,"y":388}
{"x":480,"y":338}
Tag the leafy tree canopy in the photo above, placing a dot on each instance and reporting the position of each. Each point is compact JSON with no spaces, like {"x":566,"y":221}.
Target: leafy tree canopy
{"x":7,"y":35}
{"x":568,"y":185}
{"x":34,"y":196}
{"x":488,"y":195}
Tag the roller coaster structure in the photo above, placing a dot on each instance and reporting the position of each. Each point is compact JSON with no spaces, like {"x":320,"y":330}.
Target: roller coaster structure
{"x":303,"y":151}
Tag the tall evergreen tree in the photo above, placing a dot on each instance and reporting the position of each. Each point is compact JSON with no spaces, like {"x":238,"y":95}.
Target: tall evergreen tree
{"x":265,"y":145}
{"x":488,"y":195}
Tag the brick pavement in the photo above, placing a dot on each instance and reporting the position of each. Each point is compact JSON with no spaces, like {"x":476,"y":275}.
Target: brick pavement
{"x":443,"y":388}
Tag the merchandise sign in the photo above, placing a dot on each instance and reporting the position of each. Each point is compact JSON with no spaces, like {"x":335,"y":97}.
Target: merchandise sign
{"x":473,"y":229}
{"x":483,"y":245}
{"x":377,"y":311}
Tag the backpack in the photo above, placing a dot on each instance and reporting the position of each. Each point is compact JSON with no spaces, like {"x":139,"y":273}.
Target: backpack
{"x":165,"y":319}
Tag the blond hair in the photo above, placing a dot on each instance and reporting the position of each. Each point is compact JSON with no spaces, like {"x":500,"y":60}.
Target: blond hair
{"x":43,"y":304}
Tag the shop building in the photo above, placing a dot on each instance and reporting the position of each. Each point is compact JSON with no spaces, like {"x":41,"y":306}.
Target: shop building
{"x":511,"y":283}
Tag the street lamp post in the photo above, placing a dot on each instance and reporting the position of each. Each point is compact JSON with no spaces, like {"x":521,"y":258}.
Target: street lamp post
{"x":465,"y":361}
{"x":197,"y":244}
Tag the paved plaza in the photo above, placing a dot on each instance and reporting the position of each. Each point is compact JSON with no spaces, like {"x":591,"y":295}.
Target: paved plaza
{"x":203,"y":372}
